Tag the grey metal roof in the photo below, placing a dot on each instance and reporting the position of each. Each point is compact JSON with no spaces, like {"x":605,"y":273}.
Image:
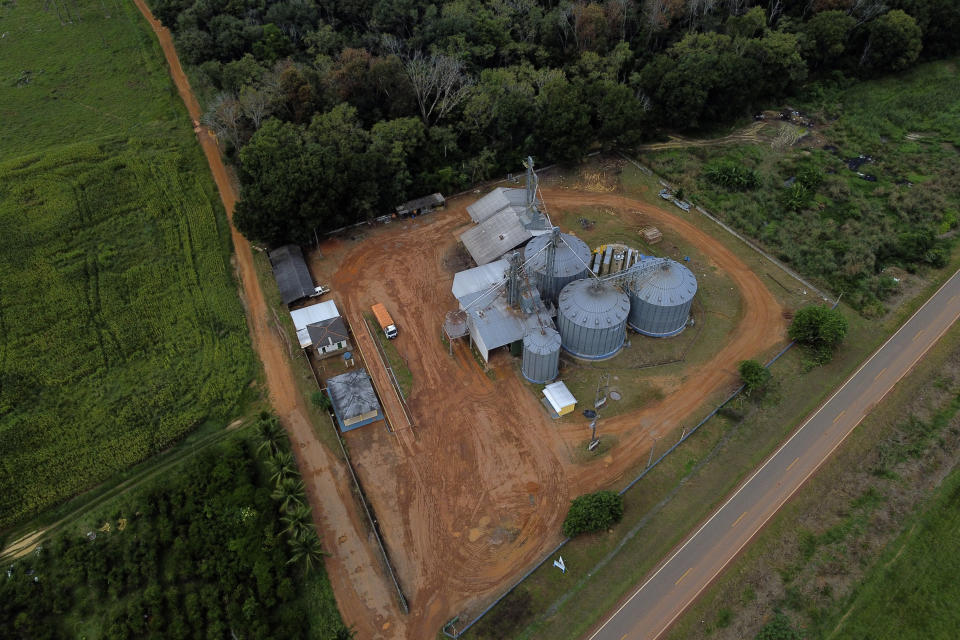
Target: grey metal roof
{"x":291,"y":272}
{"x":572,"y":255}
{"x":332,"y":328}
{"x":542,"y":340}
{"x":670,"y":285}
{"x":593,"y":304}
{"x":495,"y":236}
{"x":352,"y":394}
{"x":478,"y":279}
{"x":495,"y":202}
{"x":497,"y":323}
{"x":305,"y":316}
{"x":432,"y":200}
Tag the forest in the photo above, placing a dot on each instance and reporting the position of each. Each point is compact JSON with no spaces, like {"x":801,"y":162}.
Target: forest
{"x":223,"y":548}
{"x":338,"y":111}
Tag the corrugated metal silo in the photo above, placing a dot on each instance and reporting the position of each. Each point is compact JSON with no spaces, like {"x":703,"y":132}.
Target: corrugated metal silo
{"x":592,"y":317}
{"x":541,"y":355}
{"x":571,"y":257}
{"x":660,"y":302}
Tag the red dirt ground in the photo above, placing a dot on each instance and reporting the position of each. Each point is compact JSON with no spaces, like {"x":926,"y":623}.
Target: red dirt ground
{"x":478,"y":491}
{"x":364,"y":599}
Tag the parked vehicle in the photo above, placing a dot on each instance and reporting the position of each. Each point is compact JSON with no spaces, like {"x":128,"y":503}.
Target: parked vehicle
{"x":386,"y":322}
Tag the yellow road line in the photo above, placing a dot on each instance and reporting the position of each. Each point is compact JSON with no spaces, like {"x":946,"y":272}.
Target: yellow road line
{"x":919,"y":333}
{"x":839,"y":415}
{"x":793,"y":463}
{"x":882,"y":371}
{"x":737,"y":521}
{"x":683,"y":576}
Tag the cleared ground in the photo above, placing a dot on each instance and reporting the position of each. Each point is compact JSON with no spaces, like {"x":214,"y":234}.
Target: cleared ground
{"x":477,"y":492}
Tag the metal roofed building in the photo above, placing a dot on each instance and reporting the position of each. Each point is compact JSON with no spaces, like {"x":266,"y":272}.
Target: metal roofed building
{"x":495,"y":236}
{"x":478,"y":280}
{"x":497,"y":201}
{"x":310,"y":315}
{"x":328,"y":336}
{"x":421,"y":205}
{"x":561,"y":400}
{"x":291,"y":273}
{"x":354,"y":401}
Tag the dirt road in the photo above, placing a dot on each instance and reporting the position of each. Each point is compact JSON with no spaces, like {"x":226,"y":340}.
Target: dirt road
{"x":479,"y":495}
{"x":652,"y":608}
{"x":362,"y":594}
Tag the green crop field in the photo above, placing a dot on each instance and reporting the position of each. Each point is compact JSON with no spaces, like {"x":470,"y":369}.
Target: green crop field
{"x":120,"y":326}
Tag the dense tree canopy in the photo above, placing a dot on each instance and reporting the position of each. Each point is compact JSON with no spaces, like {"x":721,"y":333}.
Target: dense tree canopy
{"x":493,"y":81}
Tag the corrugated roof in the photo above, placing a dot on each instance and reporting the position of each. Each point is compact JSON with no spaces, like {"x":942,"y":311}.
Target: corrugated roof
{"x":542,"y":340}
{"x":495,"y":236}
{"x":497,"y":323}
{"x":332,"y":329}
{"x":432,"y":200}
{"x":572,"y":256}
{"x":291,"y":272}
{"x":352,"y":394}
{"x":310,"y":315}
{"x":495,"y":202}
{"x":558,"y":395}
{"x":593,"y":304}
{"x":478,"y":279}
{"x":673,"y":284}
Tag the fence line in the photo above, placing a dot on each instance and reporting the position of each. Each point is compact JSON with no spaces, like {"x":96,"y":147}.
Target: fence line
{"x":684,"y":438}
{"x":793,"y":274}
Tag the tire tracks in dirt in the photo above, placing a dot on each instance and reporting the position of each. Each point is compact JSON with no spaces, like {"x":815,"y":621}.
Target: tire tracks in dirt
{"x":361,"y":590}
{"x":479,"y":495}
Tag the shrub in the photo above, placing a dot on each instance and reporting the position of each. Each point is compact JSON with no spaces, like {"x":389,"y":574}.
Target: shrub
{"x":753,"y":375}
{"x":820,"y":329}
{"x":593,"y":512}
{"x":733,"y":177}
{"x":780,"y":628}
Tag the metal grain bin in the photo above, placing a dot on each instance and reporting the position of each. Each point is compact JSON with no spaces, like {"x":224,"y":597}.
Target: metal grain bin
{"x":541,"y":355}
{"x":571,"y":257}
{"x":592,"y":317}
{"x":660,"y":302}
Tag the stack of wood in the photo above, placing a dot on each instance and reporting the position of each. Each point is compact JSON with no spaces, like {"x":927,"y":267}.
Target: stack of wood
{"x":651,"y":234}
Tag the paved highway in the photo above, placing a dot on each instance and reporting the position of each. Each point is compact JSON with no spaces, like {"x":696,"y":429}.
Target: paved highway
{"x":677,"y":581}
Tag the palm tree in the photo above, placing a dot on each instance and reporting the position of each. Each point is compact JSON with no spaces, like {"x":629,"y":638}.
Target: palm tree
{"x":270,"y":432}
{"x":298,"y":521}
{"x":289,"y":493}
{"x":307,"y":550}
{"x":281,"y":466}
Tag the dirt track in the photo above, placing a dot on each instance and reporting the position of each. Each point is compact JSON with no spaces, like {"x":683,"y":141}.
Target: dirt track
{"x":362,"y":594}
{"x":480,"y":492}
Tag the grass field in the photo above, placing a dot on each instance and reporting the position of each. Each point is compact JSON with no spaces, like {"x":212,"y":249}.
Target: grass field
{"x":120,"y":326}
{"x":827,"y":220}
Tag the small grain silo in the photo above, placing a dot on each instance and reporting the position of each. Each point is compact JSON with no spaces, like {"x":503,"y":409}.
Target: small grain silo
{"x":541,"y":355}
{"x":592,"y":317}
{"x":570,"y":256}
{"x":660,"y":300}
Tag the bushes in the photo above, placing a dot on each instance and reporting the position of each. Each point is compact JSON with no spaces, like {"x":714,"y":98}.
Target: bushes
{"x":753,"y":375}
{"x":820,"y":329}
{"x":593,"y":512}
{"x":730,"y":176}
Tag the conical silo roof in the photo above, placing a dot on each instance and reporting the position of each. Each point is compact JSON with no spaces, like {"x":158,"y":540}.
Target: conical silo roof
{"x":593,"y":304}
{"x":571,"y":256}
{"x":542,"y":341}
{"x":670,"y":285}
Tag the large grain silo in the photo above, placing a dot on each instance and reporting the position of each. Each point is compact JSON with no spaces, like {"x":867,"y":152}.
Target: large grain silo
{"x":592,"y":317}
{"x":660,"y":300}
{"x":569,"y":254}
{"x":541,"y":355}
